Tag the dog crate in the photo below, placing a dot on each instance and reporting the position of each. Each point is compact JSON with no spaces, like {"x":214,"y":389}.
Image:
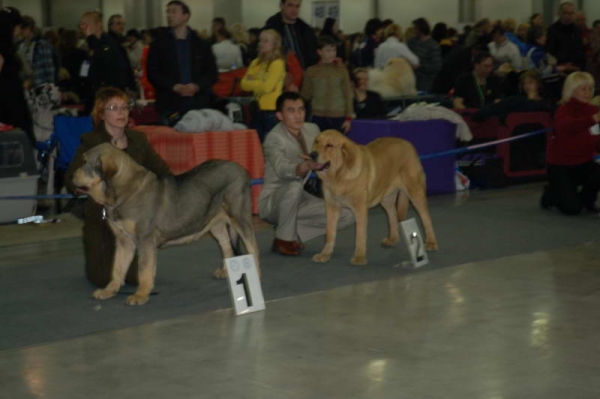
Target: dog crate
{"x":18,"y":175}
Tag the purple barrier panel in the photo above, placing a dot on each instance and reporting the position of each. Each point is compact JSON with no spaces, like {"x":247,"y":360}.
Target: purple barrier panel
{"x":427,"y":136}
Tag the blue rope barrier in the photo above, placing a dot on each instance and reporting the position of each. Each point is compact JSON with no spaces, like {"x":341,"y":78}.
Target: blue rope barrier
{"x":256,"y":182}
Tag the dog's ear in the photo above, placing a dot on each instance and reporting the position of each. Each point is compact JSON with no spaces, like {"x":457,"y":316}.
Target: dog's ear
{"x":349,"y":154}
{"x":107,"y":167}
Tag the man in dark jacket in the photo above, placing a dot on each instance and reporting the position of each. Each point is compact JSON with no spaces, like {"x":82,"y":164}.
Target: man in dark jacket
{"x":296,"y":34}
{"x":181,"y":66}
{"x":564,"y":39}
{"x":109,"y":64}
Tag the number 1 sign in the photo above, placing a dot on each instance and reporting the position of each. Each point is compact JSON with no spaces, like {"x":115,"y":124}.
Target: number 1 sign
{"x":244,"y":285}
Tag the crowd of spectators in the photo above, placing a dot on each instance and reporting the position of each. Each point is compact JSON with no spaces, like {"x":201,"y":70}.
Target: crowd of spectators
{"x":177,"y":65}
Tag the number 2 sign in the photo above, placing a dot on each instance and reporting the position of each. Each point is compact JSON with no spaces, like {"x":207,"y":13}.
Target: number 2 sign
{"x":414,"y":242}
{"x":244,"y":285}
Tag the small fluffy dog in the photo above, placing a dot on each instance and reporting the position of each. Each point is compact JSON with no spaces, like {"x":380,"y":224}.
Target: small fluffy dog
{"x":385,"y":172}
{"x":397,"y":78}
{"x":145,"y":211}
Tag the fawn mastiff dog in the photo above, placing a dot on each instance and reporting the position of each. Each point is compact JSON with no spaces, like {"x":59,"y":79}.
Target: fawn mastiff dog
{"x":385,"y":172}
{"x":145,"y":211}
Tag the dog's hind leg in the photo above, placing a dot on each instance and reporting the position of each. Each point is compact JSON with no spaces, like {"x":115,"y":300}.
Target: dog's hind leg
{"x":147,"y":272}
{"x":402,"y":206}
{"x":124,"y":253}
{"x":389,"y":205}
{"x":245,"y":229}
{"x":219,"y":231}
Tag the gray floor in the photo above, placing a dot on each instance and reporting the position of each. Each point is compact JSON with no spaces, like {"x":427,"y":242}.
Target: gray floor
{"x":518,"y":326}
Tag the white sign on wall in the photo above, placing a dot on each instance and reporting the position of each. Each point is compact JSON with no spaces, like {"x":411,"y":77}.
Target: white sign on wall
{"x":322,"y":10}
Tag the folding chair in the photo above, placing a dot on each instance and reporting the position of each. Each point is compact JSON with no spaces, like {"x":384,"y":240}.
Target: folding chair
{"x":67,"y":137}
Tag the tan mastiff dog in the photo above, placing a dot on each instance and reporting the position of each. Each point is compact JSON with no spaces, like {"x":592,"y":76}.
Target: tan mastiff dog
{"x":146,"y":212}
{"x":385,"y":172}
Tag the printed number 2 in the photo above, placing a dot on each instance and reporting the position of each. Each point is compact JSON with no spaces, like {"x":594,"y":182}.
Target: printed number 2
{"x":244,"y":282}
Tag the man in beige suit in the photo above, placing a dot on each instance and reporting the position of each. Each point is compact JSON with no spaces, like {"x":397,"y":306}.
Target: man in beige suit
{"x":297,"y":215}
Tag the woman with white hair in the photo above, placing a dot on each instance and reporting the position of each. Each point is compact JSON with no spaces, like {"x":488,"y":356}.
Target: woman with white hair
{"x":571,"y":150}
{"x":393,"y":47}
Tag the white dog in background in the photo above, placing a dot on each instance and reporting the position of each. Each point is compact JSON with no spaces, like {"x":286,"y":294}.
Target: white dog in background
{"x":397,"y":78}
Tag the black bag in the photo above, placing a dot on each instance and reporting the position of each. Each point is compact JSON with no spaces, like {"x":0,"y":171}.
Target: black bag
{"x":314,"y":186}
{"x":483,"y":170}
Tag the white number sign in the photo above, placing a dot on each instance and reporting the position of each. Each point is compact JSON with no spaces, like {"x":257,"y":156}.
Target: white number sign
{"x":244,"y":285}
{"x":414,"y":242}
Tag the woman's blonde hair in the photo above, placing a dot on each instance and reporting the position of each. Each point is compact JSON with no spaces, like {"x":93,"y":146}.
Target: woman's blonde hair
{"x":393,"y":30}
{"x":575,"y":80}
{"x":277,"y":51}
{"x":103,"y":97}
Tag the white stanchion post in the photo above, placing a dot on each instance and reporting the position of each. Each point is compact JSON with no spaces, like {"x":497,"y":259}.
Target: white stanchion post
{"x":244,"y":285}
{"x":414,"y":242}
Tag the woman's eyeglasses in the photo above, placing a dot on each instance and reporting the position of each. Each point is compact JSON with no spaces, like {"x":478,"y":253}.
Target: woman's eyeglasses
{"x":115,"y":108}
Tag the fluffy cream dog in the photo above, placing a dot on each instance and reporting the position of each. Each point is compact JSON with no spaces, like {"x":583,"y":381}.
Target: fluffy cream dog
{"x":397,"y":78}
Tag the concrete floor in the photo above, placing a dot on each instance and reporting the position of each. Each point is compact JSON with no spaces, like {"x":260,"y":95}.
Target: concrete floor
{"x":524,"y":326}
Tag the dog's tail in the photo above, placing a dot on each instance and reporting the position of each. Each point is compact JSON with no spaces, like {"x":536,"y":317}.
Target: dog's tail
{"x":236,"y":242}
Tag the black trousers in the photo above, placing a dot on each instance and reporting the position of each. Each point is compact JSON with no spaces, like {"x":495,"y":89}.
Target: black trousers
{"x":564,"y":182}
{"x":99,"y":249}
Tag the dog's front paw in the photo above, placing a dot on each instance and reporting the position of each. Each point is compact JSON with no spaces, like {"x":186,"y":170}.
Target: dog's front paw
{"x":321,"y":258}
{"x":431,"y":246}
{"x":220,"y":273}
{"x":103,"y":294}
{"x":388,"y":242}
{"x":358,"y":260}
{"x":136,"y":299}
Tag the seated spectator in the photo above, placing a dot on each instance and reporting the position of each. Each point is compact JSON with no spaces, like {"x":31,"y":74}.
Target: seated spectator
{"x":327,"y":86}
{"x":478,"y":88}
{"x":536,"y":19}
{"x":134,"y":46}
{"x":572,"y":148}
{"x":228,"y":55}
{"x":530,"y":84}
{"x":265,"y":78}
{"x":429,"y":53}
{"x":581,"y":23}
{"x":393,"y":47}
{"x":537,"y":57}
{"x":480,"y":33}
{"x":38,"y":55}
{"x":111,"y":116}
{"x":509,"y":25}
{"x":13,"y":108}
{"x":72,"y":59}
{"x":331,"y":29}
{"x":503,"y":50}
{"x":239,"y":36}
{"x":444,"y":37}
{"x":364,"y":55}
{"x":367,"y":104}
{"x":253,"y":34}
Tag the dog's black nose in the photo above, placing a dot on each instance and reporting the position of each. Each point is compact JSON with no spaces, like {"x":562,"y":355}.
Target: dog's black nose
{"x":314,"y":155}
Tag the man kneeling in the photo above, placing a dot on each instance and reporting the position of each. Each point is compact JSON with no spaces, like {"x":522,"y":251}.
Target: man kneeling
{"x":298,"y":216}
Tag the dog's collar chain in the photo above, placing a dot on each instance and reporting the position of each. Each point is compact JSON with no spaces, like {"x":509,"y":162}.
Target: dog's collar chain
{"x":103,"y":213}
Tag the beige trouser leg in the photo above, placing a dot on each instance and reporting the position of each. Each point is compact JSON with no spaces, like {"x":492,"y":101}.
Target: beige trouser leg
{"x":299,"y":214}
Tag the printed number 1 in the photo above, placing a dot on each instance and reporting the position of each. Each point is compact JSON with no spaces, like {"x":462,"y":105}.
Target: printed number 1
{"x":244,"y":282}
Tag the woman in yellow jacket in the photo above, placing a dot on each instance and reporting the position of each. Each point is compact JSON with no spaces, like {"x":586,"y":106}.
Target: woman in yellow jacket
{"x":264,"y":78}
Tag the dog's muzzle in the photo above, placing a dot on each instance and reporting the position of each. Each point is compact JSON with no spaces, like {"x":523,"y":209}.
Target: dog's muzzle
{"x":314,"y":155}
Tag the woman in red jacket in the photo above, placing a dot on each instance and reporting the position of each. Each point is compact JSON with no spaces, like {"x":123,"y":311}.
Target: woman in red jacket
{"x":572,"y":148}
